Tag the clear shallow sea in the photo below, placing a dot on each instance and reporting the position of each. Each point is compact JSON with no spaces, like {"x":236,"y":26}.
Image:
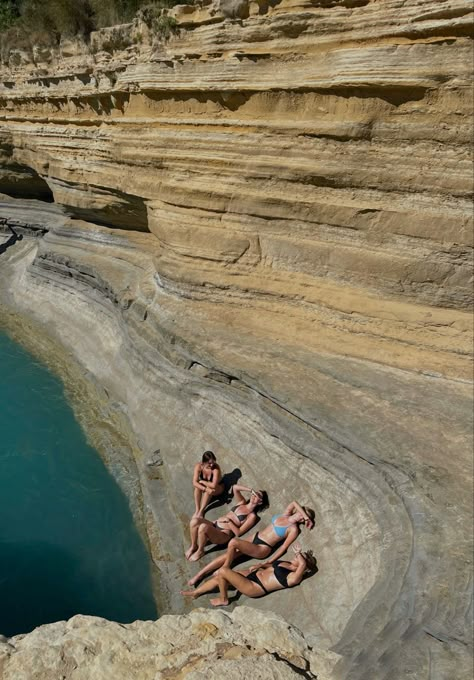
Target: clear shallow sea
{"x":68,"y":544}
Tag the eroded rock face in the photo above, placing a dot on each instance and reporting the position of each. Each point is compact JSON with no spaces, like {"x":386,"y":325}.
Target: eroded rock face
{"x":204,"y":644}
{"x":276,"y":265}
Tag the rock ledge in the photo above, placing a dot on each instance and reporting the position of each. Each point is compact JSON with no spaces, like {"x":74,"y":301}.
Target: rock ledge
{"x":204,"y":644}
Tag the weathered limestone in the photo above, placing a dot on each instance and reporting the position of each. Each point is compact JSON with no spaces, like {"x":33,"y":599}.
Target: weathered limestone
{"x":203,"y":644}
{"x":271,"y":257}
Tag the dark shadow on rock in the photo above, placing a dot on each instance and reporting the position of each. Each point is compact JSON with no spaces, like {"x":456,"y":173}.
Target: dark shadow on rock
{"x":228,"y":480}
{"x":11,"y":241}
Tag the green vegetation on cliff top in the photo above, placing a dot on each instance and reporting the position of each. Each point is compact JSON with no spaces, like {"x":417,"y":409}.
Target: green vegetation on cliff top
{"x":23,"y":22}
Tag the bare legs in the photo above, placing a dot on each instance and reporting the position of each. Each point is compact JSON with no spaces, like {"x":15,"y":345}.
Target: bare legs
{"x":237,"y":546}
{"x":202,"y":531}
{"x":197,"y":500}
{"x":202,"y":498}
{"x":193,"y":529}
{"x":224,"y":578}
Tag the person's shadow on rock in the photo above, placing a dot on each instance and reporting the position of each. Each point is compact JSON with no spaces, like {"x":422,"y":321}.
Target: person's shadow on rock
{"x":228,"y":480}
{"x":11,"y":241}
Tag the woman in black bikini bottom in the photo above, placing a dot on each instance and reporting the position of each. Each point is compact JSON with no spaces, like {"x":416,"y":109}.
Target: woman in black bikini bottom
{"x":259,"y":580}
{"x":277,"y":536}
{"x":240,"y":519}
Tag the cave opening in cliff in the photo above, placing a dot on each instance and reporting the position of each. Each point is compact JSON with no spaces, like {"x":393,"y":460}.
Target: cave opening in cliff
{"x":20,"y":181}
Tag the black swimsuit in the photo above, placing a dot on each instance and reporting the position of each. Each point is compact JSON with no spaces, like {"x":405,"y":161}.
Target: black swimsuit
{"x":281,"y":575}
{"x":241,"y":518}
{"x":259,"y":541}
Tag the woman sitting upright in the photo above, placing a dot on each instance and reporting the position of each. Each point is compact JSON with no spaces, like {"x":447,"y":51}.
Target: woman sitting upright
{"x":258,"y":580}
{"x":283,"y":530}
{"x":241,"y":518}
{"x":206,"y":482}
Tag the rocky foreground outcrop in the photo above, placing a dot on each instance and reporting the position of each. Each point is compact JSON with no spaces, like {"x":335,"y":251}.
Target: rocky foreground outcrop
{"x":257,"y":239}
{"x":204,"y":645}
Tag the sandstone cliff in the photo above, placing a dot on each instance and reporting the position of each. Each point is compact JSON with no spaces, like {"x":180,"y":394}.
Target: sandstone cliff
{"x":260,"y":243}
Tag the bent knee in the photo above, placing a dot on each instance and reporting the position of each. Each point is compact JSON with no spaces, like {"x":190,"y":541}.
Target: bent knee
{"x":223,"y":571}
{"x":202,"y":529}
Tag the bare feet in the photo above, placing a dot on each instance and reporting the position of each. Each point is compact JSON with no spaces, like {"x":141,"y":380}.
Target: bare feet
{"x":192,"y":581}
{"x":218,"y":602}
{"x":189,"y":552}
{"x":196,"y":556}
{"x":188,"y":593}
{"x":198,"y":514}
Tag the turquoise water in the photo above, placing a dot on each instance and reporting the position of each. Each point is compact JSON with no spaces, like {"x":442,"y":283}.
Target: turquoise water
{"x":68,"y":544}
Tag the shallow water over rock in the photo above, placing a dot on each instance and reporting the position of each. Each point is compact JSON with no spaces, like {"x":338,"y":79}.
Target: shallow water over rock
{"x":68,"y":543}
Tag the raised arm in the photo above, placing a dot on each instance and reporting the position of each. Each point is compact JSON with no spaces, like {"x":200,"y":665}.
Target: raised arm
{"x":296,"y":507}
{"x":297,"y":576}
{"x":292,"y":535}
{"x":237,"y":491}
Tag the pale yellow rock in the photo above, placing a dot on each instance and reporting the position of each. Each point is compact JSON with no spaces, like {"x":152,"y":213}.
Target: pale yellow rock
{"x":273,"y":259}
{"x":204,"y":644}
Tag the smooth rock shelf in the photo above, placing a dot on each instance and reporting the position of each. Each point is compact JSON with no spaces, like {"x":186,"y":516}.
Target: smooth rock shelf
{"x":257,"y":238}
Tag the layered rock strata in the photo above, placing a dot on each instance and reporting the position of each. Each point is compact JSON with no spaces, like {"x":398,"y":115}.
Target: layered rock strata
{"x":260,"y":243}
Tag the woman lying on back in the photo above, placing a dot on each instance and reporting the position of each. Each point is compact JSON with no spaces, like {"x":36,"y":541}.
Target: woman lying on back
{"x":283,"y":530}
{"x":241,"y":518}
{"x":258,"y":580}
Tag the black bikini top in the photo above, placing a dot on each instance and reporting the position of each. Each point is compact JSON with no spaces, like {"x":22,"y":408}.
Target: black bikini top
{"x":241,"y":518}
{"x":281,"y":574}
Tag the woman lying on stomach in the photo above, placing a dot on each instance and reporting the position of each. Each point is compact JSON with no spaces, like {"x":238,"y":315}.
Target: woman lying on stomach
{"x":283,"y":530}
{"x":258,"y":580}
{"x":241,"y":518}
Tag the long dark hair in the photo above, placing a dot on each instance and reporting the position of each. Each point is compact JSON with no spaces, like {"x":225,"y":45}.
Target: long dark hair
{"x":310,"y":512}
{"x":208,"y":457}
{"x":265,"y":503}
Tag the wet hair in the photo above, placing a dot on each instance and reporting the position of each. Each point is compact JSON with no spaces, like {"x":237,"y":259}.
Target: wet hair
{"x":311,"y":563}
{"x":208,"y":457}
{"x":265,"y":502}
{"x":311,"y":514}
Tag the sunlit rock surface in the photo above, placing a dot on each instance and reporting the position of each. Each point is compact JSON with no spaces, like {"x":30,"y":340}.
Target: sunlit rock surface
{"x":260,"y":243}
{"x":204,"y":644}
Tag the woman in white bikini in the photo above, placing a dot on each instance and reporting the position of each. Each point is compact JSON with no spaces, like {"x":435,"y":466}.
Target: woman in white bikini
{"x":282,"y":532}
{"x":241,"y":518}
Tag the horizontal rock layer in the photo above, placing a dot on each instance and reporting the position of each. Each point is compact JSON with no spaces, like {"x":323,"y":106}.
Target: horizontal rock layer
{"x":270,"y":255}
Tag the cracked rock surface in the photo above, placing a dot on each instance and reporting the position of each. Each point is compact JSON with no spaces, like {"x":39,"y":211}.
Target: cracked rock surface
{"x":203,"y":644}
